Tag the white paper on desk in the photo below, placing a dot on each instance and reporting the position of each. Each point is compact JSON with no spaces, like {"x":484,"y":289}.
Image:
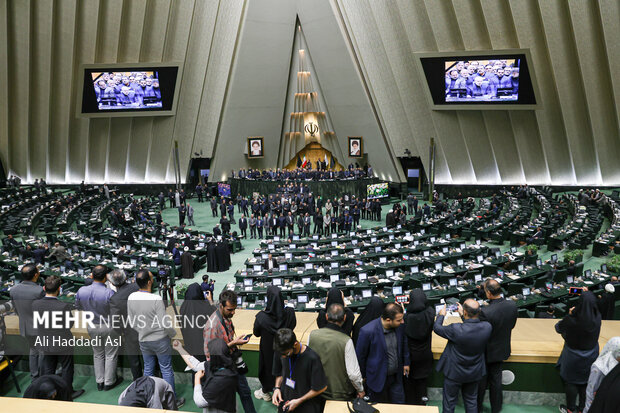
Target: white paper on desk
{"x":449,"y":270}
{"x":324,"y":284}
{"x":513,"y":277}
{"x":320,"y":270}
{"x":588,"y":282}
{"x":460,"y":288}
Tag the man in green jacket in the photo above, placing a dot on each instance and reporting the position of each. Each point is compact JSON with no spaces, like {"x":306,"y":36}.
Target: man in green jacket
{"x":337,"y":353}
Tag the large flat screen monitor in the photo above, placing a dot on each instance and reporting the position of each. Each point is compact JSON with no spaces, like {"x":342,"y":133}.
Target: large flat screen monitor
{"x":136,"y":89}
{"x":377,"y":191}
{"x":479,"y":80}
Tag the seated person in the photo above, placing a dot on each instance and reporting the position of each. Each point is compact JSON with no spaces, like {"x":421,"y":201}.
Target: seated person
{"x":49,"y":387}
{"x":149,"y":392}
{"x":480,"y":88}
{"x":215,"y":381}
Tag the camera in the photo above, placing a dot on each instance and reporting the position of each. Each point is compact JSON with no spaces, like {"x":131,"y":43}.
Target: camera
{"x":163,"y":276}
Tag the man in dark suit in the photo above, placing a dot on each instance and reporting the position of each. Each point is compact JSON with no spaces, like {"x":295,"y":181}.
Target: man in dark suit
{"x":23,"y":295}
{"x":383,"y":355}
{"x":50,"y":339}
{"x":502,"y":314}
{"x":39,"y":254}
{"x":243,"y":226}
{"x":462,"y":361}
{"x":118,"y":310}
{"x":270,"y":263}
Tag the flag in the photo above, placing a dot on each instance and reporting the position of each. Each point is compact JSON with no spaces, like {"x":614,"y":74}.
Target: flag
{"x":298,"y":161}
{"x":332,"y":163}
{"x":326,"y":161}
{"x":304,"y":162}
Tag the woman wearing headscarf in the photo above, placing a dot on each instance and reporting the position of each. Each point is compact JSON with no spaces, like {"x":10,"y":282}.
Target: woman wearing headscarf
{"x":605,"y":363}
{"x":373,"y":310}
{"x":335,"y":296}
{"x":580,"y":330}
{"x":195,"y":308}
{"x":267,"y":322}
{"x":607,"y":398}
{"x":419,"y":329}
{"x":49,"y":387}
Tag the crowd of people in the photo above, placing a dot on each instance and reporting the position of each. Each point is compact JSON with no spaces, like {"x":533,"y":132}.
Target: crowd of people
{"x":122,"y":89}
{"x":383,"y":356}
{"x":475,"y":79}
{"x":321,"y":173}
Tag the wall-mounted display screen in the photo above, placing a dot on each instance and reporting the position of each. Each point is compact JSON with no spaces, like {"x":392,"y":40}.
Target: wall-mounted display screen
{"x":478,"y":80}
{"x":129,"y":90}
{"x":377,"y":191}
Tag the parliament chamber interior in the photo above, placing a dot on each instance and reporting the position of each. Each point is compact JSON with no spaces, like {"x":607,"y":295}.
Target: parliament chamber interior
{"x":309,"y":205}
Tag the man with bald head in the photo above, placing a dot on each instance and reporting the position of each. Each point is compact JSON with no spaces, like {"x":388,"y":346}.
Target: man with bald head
{"x":462,"y":361}
{"x":502,"y":315}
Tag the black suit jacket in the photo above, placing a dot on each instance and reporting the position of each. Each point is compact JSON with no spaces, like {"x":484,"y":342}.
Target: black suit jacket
{"x":266,"y":264}
{"x":463,"y":358}
{"x":502,"y":314}
{"x":47,"y":334}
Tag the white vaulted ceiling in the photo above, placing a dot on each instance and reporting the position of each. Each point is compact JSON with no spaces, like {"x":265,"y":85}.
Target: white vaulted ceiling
{"x":573,"y":139}
{"x":42,"y":44}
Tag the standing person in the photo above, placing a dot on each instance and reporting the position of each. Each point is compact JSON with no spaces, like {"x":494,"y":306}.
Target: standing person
{"x":118,"y":310}
{"x":54,"y":354}
{"x":187,"y":264}
{"x":335,"y":296}
{"x":199,"y":192}
{"x":383,"y":356}
{"x":502,"y":314}
{"x":243,"y":226}
{"x":23,"y":295}
{"x":337,"y":353}
{"x":604,"y":364}
{"x":373,"y":310}
{"x":267,"y":322}
{"x":419,"y":330}
{"x":196,"y":305}
{"x":462,"y":362}
{"x":299,"y":375}
{"x":580,"y":330}
{"x":253,"y":222}
{"x":177,"y":198}
{"x":219,"y":325}
{"x":190,"y":214}
{"x":260,"y":224}
{"x":213,"y":203}
{"x":182,"y":213}
{"x":171,"y":198}
{"x":95,"y":299}
{"x":155,"y":333}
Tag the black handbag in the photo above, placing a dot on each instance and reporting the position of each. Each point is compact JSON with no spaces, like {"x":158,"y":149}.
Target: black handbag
{"x":360,"y":406}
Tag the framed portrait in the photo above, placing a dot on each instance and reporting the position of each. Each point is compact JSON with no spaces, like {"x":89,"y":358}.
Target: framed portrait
{"x":255,"y":147}
{"x":356,"y":147}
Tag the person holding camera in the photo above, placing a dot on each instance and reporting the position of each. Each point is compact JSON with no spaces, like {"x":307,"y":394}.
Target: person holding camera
{"x":580,"y":329}
{"x":219,"y":325}
{"x":300,"y":377}
{"x":462,"y":362}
